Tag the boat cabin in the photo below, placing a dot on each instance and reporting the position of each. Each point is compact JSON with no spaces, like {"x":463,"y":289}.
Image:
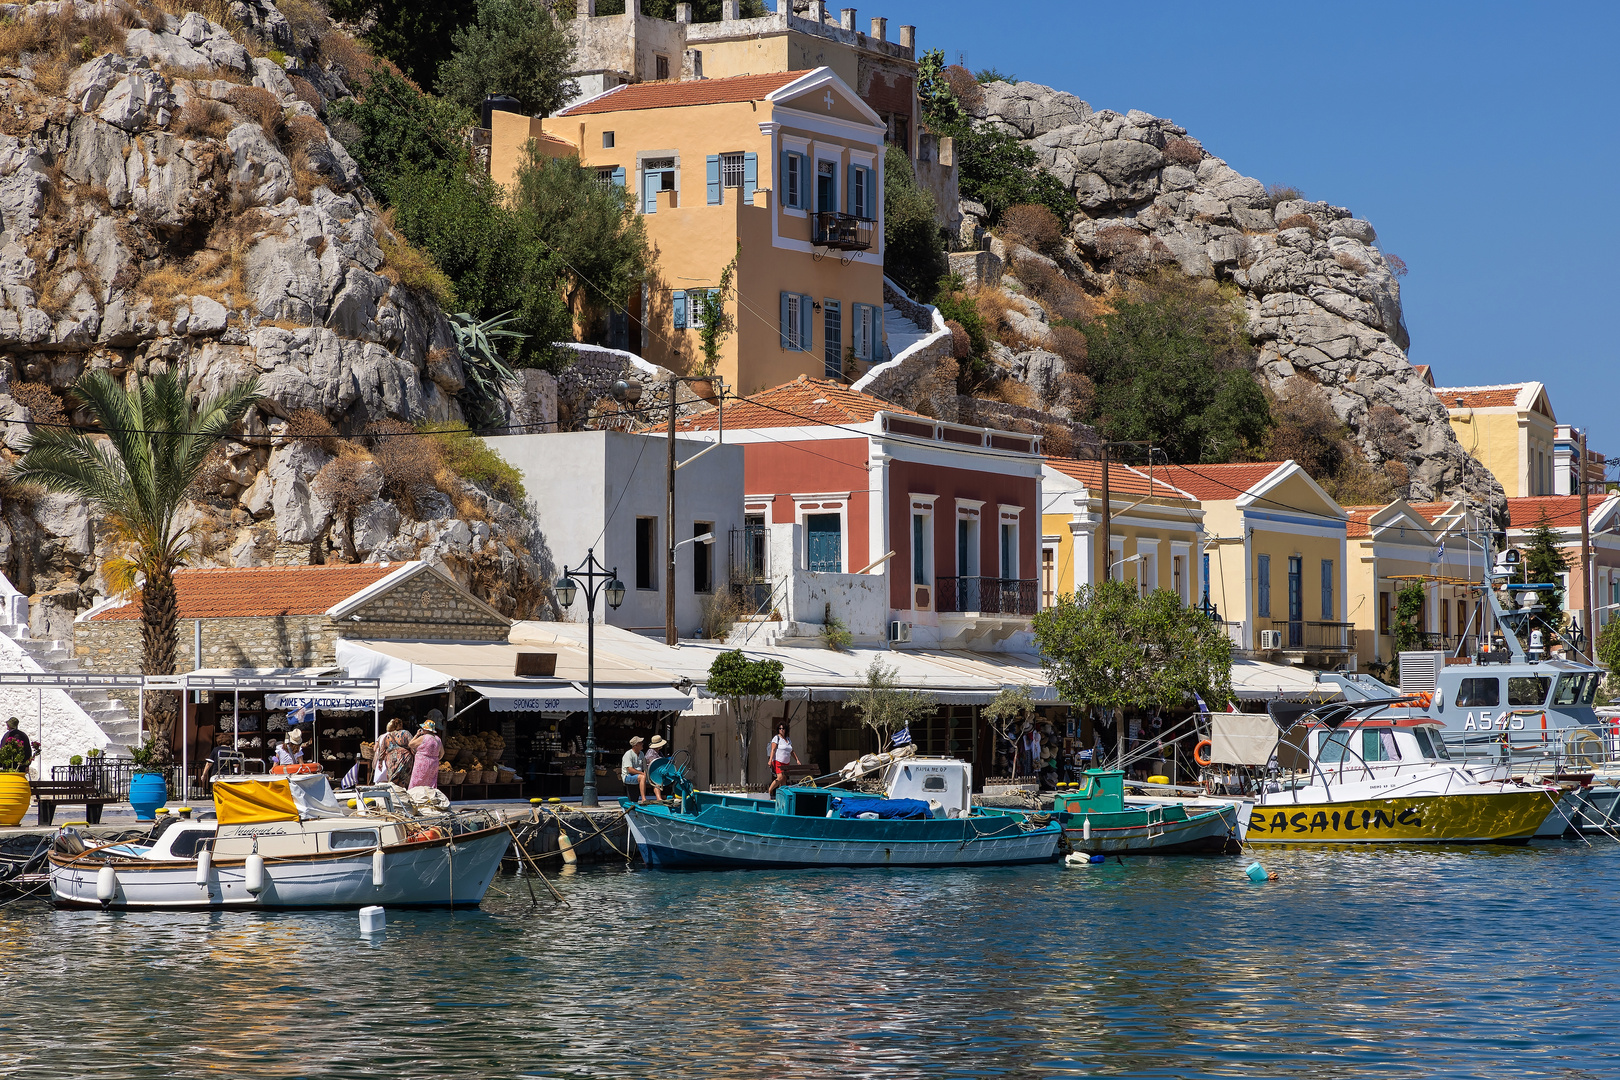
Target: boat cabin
{"x":1102,"y":792}
{"x":943,"y":780}
{"x":290,"y":816}
{"x":1361,"y":749}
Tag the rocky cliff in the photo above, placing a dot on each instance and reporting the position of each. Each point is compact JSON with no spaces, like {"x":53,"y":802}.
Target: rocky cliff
{"x":170,"y":195}
{"x":1322,"y":302}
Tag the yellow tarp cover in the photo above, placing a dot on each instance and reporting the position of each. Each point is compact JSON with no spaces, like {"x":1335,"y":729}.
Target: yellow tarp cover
{"x":251,"y":802}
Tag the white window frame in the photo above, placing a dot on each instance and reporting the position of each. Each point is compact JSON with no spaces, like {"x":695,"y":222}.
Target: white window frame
{"x":794,"y":145}
{"x":1147,"y":567}
{"x":922,"y":506}
{"x":804,"y":506}
{"x":1013,"y":516}
{"x":969,"y":510}
{"x":1182,"y":550}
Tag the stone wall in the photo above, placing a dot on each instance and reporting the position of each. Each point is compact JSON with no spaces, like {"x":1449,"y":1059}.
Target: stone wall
{"x":426,"y":606}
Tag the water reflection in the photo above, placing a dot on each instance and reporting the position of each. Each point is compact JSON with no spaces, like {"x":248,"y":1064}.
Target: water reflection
{"x":1431,"y":962}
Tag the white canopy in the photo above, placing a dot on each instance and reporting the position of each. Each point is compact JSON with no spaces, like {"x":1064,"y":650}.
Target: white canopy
{"x":326,"y":700}
{"x":549,"y":697}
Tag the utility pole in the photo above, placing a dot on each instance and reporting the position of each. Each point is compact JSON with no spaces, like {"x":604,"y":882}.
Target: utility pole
{"x":670,"y":636}
{"x":1586,"y":557}
{"x":1107,"y":507}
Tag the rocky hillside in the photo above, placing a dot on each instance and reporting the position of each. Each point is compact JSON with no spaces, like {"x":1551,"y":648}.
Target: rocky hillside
{"x":1322,"y":302}
{"x":171,"y":195}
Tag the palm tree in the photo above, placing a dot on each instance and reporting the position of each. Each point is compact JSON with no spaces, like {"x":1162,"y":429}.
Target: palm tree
{"x":136,"y":476}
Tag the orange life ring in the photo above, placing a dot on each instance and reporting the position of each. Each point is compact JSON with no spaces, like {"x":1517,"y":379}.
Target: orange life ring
{"x":295,"y":770}
{"x":1199,"y":755}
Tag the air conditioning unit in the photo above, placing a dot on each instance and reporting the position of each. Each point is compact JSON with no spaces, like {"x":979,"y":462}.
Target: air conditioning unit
{"x":899,"y":633}
{"x":1271,"y":639}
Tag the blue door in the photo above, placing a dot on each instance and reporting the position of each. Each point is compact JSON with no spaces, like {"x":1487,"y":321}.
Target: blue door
{"x":824,"y":542}
{"x":1296,"y":603}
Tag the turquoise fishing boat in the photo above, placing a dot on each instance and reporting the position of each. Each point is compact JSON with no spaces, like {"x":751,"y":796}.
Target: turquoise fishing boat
{"x":1098,"y":819}
{"x":924,"y":818}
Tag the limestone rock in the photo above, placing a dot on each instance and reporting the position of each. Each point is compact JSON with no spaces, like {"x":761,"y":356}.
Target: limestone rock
{"x":1028,"y":109}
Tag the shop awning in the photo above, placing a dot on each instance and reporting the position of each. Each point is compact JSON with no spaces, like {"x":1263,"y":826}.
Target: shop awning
{"x":353,"y":699}
{"x":1257,"y":680}
{"x":611,"y":699}
{"x":549,"y":697}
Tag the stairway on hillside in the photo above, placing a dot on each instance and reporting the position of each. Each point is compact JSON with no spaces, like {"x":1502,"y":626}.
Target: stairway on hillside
{"x":109,"y":714}
{"x":901,"y":331}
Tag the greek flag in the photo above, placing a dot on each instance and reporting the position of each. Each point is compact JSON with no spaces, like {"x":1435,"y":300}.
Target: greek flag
{"x":901,"y":737}
{"x":301,"y":715}
{"x":1203,"y":707}
{"x":1440,"y":552}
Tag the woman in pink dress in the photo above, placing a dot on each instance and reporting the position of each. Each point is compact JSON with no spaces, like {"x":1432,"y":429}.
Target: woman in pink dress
{"x":429,"y":749}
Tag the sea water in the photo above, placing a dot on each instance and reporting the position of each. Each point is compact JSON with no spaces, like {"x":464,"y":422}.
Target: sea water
{"x":1454,"y":962}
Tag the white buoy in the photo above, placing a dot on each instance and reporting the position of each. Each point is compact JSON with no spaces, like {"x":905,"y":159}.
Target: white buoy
{"x":372,"y":919}
{"x":1085,"y":828}
{"x":106,"y":883}
{"x":565,"y":843}
{"x":205,"y":863}
{"x":253,"y":874}
{"x":377,"y":876}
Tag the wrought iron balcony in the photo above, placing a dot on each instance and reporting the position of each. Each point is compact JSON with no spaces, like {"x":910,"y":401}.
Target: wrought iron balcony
{"x":986,"y":596}
{"x":846,"y":232}
{"x":1300,"y":635}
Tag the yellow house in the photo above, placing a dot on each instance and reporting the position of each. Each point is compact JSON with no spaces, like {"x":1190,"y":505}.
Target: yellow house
{"x":1511,"y":429}
{"x":1275,"y":559}
{"x":784,"y":173}
{"x":1156,"y":532}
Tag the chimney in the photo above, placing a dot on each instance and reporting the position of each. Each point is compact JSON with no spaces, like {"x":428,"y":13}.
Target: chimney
{"x":880,"y":29}
{"x":784,"y":7}
{"x":908,"y":37}
{"x":683,"y":13}
{"x":728,"y":11}
{"x":847,"y":18}
{"x":585,"y":8}
{"x":818,"y":11}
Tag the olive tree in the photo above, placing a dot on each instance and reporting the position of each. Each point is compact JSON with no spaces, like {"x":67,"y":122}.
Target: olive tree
{"x":884,"y":707}
{"x":746,"y":685}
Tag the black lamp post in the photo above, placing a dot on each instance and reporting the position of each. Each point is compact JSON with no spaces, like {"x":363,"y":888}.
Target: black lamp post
{"x":597,"y":579}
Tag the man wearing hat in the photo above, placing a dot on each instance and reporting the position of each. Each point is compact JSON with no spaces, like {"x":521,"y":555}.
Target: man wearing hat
{"x":655,"y":750}
{"x":632,"y":770}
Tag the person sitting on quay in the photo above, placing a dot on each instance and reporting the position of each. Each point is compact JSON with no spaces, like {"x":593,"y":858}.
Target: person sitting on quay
{"x":631,"y":769}
{"x":653,"y":754}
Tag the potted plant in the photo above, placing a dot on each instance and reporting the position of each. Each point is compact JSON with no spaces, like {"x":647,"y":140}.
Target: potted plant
{"x":14,"y":789}
{"x":147,"y":790}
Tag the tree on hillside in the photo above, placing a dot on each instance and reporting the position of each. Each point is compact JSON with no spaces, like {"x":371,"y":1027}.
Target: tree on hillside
{"x":1543,"y":563}
{"x":884,"y":707}
{"x":156,"y":444}
{"x":1172,"y":366}
{"x":515,"y":47}
{"x":394,"y":131}
{"x":415,"y":36}
{"x":1110,"y":646}
{"x":746,"y":685}
{"x":913,"y":245}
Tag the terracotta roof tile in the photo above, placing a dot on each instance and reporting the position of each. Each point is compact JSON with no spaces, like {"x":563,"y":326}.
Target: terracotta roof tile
{"x":1218,"y":482}
{"x":260,"y":591}
{"x":668,"y":95}
{"x":1360,"y":523}
{"x":795,"y":404}
{"x":1479,"y":397}
{"x":1122,"y":479}
{"x":1561,"y":511}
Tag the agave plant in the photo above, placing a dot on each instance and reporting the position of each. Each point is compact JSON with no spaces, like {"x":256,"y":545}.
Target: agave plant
{"x":485,"y":369}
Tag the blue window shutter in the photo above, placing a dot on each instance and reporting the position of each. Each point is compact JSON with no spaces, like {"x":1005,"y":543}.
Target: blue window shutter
{"x":1264,"y":573}
{"x":618,"y":177}
{"x":850,"y":206}
{"x":806,"y":314}
{"x":750,"y":178}
{"x":1327,"y":589}
{"x":800,"y":200}
{"x":787,"y":321}
{"x":869,"y":204}
{"x":714,"y":179}
{"x":649,"y":193}
{"x":680,"y":310}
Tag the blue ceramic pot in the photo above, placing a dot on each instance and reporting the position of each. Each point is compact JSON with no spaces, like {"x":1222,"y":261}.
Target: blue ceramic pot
{"x":147,"y":792}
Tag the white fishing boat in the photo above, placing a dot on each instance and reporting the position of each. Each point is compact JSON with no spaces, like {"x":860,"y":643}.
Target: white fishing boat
{"x":288,"y":842}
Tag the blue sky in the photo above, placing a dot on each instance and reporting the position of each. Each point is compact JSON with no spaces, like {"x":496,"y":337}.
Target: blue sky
{"x":1479,"y":139}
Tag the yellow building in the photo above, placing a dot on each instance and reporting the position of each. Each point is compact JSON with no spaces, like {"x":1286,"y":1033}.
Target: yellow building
{"x":1511,"y":430}
{"x":1275,"y":560}
{"x":1156,"y":532}
{"x":784,"y":173}
{"x":1394,"y":545}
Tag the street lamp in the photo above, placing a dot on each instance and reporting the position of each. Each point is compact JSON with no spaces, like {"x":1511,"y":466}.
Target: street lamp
{"x":598,"y":579}
{"x":1126,"y":559}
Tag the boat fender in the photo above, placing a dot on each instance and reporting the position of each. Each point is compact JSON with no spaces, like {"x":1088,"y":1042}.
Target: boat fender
{"x":106,"y":884}
{"x":1256,"y":873}
{"x":205,"y":863}
{"x":377,"y":873}
{"x":253,"y":874}
{"x":565,"y":844}
{"x":1201,"y":753}
{"x":1085,"y":828}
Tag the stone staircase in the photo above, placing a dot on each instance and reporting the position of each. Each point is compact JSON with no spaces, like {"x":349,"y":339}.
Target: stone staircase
{"x":108,"y":713}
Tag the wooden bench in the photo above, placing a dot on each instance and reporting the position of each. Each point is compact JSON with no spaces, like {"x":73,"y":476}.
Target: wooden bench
{"x":51,"y":792}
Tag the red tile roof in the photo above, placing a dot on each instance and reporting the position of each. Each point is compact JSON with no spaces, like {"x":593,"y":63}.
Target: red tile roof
{"x":668,"y":95}
{"x":1432,"y":511}
{"x":1561,"y":511}
{"x":1360,"y":523}
{"x":260,"y":591}
{"x":1122,"y":479}
{"x":795,"y":404}
{"x":1217,"y":482}
{"x":1479,"y":397}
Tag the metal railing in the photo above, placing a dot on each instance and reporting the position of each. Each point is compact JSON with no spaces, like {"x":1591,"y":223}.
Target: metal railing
{"x":846,"y":232}
{"x":987,"y":596}
{"x":111,"y":778}
{"x":1313,"y":636}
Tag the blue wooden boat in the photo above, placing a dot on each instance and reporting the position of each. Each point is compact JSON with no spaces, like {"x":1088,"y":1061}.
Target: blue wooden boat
{"x":835,"y":827}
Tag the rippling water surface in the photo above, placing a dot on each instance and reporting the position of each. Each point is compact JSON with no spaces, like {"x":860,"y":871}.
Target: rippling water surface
{"x":1481,"y":962}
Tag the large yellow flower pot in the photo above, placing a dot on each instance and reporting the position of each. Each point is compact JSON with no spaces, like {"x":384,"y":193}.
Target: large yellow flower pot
{"x":14,"y":796}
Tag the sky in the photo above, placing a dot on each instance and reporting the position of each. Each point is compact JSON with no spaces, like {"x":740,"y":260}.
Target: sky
{"x":1479,"y":139}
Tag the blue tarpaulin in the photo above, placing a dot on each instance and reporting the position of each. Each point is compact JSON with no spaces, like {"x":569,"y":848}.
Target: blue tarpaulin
{"x":883,"y":808}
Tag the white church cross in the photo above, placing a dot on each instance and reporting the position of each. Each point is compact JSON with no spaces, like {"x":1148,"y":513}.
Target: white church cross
{"x":829,"y":100}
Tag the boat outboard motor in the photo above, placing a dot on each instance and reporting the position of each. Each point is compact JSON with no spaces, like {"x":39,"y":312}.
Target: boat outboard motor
{"x":673,"y":773}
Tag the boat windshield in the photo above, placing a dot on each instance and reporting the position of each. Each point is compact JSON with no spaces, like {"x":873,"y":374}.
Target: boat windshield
{"x":1528,"y":689}
{"x":1575,"y":690}
{"x":1430,"y":744}
{"x":1372,"y":744}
